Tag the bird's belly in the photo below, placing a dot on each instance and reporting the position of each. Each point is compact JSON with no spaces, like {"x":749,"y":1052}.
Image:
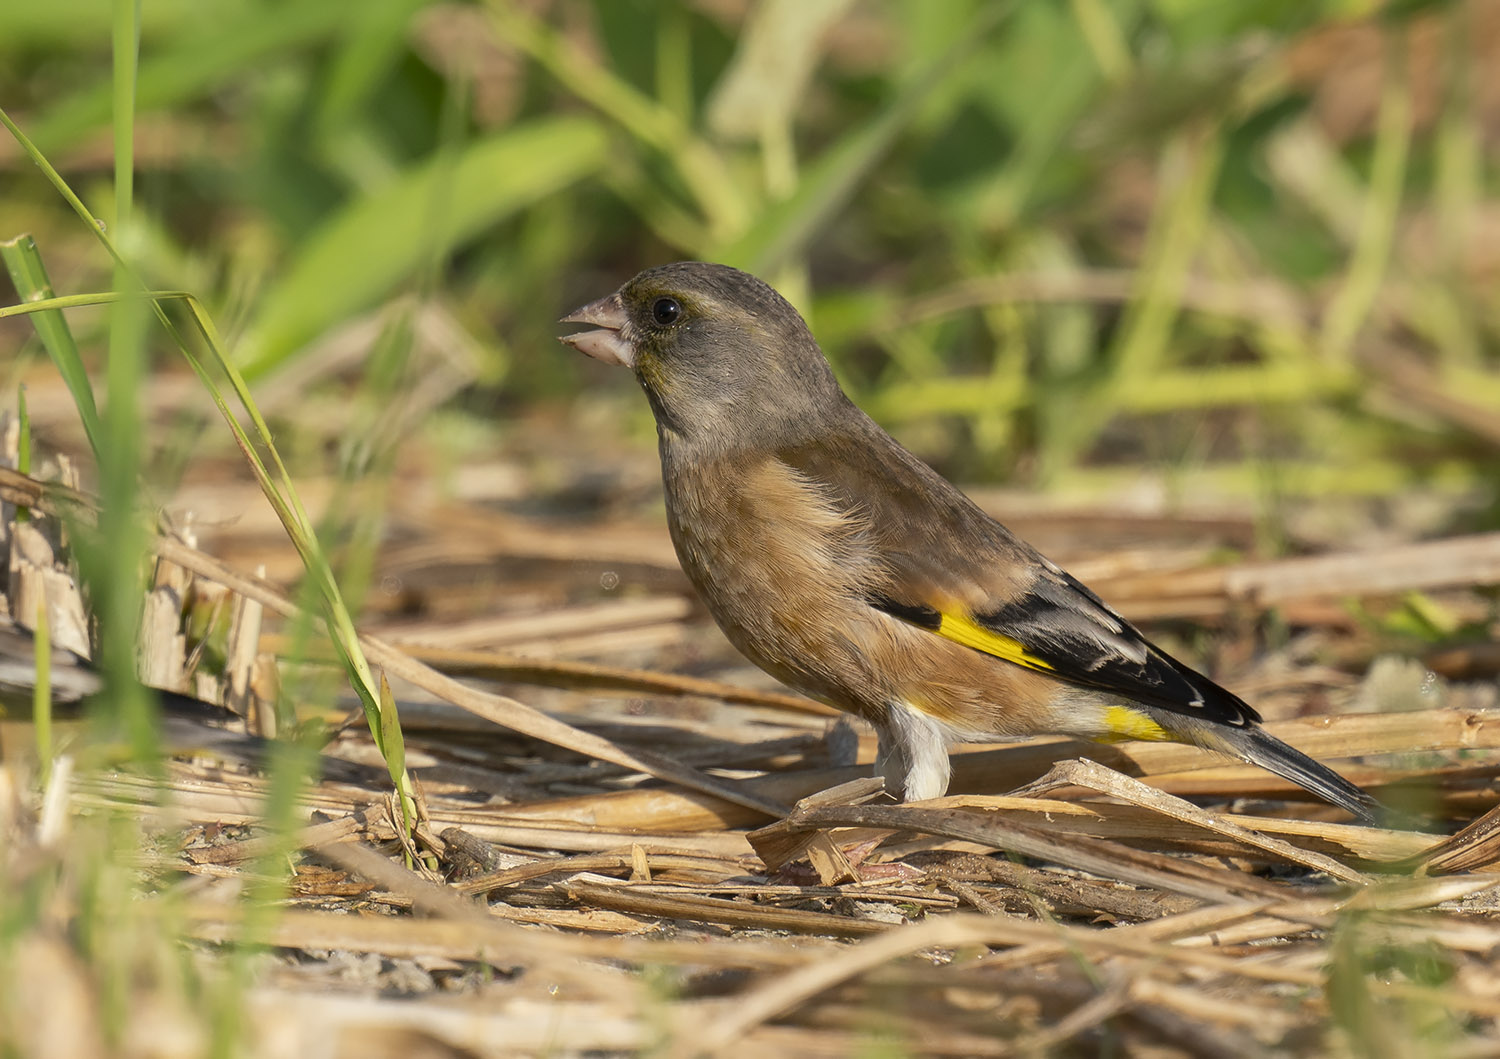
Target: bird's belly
{"x":785,"y":611}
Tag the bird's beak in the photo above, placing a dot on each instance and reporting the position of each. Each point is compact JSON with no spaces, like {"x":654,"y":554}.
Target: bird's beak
{"x":608,"y":344}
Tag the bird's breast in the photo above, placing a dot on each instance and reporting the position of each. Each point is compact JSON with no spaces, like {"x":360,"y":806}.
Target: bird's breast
{"x":779,"y":564}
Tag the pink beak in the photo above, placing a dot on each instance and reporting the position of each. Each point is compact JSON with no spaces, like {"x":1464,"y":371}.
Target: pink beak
{"x":610,"y":343}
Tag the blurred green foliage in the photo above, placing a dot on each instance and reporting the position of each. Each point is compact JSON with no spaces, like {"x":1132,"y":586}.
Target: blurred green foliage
{"x":1040,"y":240}
{"x":1048,"y":241}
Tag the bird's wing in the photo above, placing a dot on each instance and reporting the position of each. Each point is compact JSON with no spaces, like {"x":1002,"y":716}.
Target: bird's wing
{"x":1058,"y":627}
{"x":949,"y":568}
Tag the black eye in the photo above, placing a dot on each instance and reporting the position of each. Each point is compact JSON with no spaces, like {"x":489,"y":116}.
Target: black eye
{"x":666,"y":311}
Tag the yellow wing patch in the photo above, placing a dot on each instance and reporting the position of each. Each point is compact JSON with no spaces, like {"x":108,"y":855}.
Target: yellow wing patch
{"x":960,"y":629}
{"x":1122,"y":723}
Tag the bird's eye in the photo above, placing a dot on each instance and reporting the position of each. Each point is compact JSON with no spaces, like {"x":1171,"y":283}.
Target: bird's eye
{"x":666,"y":311}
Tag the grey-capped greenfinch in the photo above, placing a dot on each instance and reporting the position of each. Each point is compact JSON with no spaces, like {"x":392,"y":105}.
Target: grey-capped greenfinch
{"x":843,"y":565}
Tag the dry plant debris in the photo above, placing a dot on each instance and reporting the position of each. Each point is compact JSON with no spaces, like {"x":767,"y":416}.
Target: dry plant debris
{"x":713,"y":876}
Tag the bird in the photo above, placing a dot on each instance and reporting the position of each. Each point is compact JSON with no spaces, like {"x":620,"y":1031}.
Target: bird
{"x":846,"y":567}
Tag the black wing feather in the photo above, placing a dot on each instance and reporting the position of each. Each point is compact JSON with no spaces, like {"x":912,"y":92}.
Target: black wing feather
{"x":1085,"y":642}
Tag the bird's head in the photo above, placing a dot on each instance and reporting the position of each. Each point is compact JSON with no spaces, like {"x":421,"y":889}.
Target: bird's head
{"x":714,"y":348}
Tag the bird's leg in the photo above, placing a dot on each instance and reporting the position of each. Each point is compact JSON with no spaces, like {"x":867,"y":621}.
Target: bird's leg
{"x":913,"y":754}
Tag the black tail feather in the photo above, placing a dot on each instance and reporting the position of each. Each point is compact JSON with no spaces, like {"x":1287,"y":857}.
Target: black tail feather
{"x":1257,"y":746}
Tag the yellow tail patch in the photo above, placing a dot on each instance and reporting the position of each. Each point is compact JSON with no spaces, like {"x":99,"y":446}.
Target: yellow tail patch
{"x":959,"y":629}
{"x":1121,"y":723}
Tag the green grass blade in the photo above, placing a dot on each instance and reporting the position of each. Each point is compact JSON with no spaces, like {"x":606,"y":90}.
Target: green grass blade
{"x":390,"y":732}
{"x":127,"y":50}
{"x":369,"y":247}
{"x":73,"y":301}
{"x":766,"y":82}
{"x":1106,"y":39}
{"x":62,"y":26}
{"x":196,"y":64}
{"x":371,"y":41}
{"x":113,"y":565}
{"x":1191,"y":168}
{"x":34,"y":153}
{"x":1382,"y":206}
{"x":294,"y":518}
{"x":23,"y":448}
{"x":726,"y":209}
{"x":785,"y":229}
{"x":41,"y":691}
{"x":287,"y":505}
{"x":24,"y":263}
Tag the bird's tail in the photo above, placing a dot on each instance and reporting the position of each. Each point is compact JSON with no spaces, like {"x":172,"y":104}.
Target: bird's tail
{"x":1259,"y":747}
